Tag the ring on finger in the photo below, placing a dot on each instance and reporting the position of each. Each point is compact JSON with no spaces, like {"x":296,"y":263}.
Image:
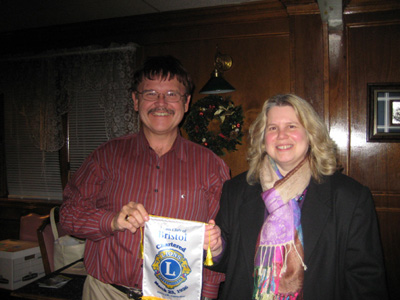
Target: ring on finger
{"x":127,"y":218}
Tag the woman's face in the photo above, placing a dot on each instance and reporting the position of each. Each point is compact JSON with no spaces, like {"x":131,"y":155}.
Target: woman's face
{"x":286,"y":139}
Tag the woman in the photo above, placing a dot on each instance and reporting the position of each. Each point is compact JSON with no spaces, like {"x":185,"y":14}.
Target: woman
{"x":293,"y":226}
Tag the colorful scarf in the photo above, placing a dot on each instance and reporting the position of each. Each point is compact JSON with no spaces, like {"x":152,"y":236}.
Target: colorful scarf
{"x":279,"y":262}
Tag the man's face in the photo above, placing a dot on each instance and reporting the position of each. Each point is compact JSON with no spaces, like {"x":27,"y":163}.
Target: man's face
{"x":159,"y":117}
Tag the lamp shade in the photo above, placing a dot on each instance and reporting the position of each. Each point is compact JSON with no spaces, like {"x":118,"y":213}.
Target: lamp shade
{"x":217,"y":85}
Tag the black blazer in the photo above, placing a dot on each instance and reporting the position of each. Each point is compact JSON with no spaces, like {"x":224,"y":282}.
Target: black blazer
{"x":342,"y":246}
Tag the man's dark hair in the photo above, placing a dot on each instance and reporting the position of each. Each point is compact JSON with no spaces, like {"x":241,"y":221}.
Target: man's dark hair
{"x":165,"y":68}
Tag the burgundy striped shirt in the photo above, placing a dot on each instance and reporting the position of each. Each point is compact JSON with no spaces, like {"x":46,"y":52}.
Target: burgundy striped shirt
{"x":185,"y":183}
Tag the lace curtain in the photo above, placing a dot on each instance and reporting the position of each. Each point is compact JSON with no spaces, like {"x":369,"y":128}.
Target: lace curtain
{"x":43,"y":88}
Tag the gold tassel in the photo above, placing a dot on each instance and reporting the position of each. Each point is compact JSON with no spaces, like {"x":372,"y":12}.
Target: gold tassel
{"x":209,"y":262}
{"x":141,"y":244}
{"x":151,"y":298}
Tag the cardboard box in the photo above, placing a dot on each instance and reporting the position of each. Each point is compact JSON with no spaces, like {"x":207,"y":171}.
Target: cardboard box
{"x":20,"y":263}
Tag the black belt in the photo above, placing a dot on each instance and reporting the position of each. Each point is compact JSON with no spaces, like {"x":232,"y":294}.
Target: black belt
{"x":132,"y":293}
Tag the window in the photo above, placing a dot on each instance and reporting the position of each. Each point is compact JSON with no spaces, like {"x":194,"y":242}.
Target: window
{"x":86,"y":128}
{"x":89,"y":86}
{"x":31,"y":173}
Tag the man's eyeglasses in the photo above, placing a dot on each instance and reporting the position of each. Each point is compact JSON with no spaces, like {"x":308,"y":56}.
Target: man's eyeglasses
{"x":170,"y":96}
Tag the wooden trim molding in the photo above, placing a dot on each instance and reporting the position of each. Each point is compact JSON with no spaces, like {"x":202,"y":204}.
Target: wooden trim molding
{"x":368,"y":6}
{"x":301,"y":7}
{"x":305,"y":9}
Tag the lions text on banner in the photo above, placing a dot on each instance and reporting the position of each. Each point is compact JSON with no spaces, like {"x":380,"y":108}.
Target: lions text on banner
{"x":173,"y":258}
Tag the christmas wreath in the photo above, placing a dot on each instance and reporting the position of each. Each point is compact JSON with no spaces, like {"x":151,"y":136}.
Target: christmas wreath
{"x":215,"y":123}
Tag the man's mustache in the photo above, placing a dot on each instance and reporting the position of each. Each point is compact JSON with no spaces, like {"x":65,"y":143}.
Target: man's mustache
{"x":161,"y":110}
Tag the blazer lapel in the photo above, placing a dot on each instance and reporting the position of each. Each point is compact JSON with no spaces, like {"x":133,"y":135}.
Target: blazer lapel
{"x":316,"y":208}
{"x":251,"y":218}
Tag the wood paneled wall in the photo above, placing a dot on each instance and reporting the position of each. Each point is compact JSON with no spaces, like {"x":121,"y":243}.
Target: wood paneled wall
{"x":279,"y":47}
{"x":372,"y":48}
{"x":367,"y":51}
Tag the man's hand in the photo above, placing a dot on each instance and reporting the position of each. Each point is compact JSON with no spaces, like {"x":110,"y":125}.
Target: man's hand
{"x":131,"y":217}
{"x":212,"y":236}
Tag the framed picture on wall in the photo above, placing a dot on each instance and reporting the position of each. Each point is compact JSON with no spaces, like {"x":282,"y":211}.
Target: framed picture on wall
{"x":383,"y":112}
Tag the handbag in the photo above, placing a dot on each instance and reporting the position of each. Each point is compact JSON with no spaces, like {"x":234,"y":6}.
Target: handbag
{"x":67,"y":249}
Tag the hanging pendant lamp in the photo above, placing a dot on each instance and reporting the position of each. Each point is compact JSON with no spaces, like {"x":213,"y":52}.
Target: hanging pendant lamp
{"x":217,"y":84}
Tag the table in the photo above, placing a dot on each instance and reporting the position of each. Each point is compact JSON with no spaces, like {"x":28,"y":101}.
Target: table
{"x":72,"y":290}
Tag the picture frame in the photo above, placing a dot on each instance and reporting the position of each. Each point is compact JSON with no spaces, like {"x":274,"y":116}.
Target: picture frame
{"x":383,"y":112}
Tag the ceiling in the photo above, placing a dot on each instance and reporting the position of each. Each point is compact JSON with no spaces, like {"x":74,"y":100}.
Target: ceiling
{"x":24,"y":14}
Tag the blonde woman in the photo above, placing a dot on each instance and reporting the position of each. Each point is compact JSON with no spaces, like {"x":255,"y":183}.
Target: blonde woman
{"x":292,"y":226}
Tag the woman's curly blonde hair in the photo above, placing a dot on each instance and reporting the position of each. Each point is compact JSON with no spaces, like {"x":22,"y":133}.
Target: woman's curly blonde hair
{"x":322,"y":151}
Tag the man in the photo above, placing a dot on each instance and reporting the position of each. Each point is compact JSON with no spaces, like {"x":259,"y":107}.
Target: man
{"x":153,"y":172}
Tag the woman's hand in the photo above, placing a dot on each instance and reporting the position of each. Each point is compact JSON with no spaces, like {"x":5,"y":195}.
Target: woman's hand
{"x":131,"y":217}
{"x":212,"y":236}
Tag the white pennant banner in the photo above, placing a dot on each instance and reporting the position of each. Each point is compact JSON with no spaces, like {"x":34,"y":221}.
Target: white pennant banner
{"x":173,"y":258}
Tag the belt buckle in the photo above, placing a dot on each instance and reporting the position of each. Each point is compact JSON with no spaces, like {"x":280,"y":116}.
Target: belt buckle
{"x":133,"y":294}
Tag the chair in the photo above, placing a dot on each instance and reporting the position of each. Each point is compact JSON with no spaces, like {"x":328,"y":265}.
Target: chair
{"x":28,"y":226}
{"x":46,"y":241}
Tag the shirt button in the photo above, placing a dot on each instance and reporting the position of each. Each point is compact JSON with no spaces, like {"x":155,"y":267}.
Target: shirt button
{"x":158,"y":167}
{"x":156,"y":190}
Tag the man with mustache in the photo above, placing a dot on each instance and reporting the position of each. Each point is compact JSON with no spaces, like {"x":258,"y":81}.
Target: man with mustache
{"x":155,"y":171}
